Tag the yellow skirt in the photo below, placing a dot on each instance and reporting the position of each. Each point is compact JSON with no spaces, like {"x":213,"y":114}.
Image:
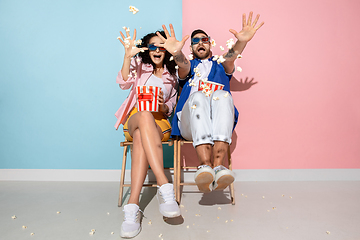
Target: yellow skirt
{"x":160,"y":120}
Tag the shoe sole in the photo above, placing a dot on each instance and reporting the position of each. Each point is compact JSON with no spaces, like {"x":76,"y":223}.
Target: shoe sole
{"x":204,"y":181}
{"x":223,"y":182}
{"x":130,"y":235}
{"x":170,"y":215}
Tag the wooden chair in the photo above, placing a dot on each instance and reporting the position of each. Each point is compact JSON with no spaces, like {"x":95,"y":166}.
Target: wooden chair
{"x":177,"y":171}
{"x":127,"y":144}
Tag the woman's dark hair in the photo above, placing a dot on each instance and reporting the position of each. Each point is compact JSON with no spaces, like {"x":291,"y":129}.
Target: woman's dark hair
{"x":170,"y":65}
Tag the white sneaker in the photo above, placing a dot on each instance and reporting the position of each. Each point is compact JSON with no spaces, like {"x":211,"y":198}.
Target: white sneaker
{"x":204,"y":178}
{"x":131,"y":225}
{"x":223,"y":177}
{"x":167,"y":205}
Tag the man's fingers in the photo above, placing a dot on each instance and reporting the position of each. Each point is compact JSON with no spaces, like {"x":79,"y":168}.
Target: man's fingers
{"x":233,"y":31}
{"x":244,"y":20}
{"x":259,"y":26}
{"x":249,"y":19}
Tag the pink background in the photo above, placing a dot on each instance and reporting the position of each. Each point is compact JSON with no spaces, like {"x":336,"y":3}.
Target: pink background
{"x":304,"y":111}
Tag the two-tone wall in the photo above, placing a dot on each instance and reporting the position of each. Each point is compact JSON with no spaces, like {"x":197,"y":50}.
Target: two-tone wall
{"x":58,"y":96}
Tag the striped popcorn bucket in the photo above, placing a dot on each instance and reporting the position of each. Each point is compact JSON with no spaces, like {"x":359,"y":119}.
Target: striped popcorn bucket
{"x":147,"y":98}
{"x":209,"y":87}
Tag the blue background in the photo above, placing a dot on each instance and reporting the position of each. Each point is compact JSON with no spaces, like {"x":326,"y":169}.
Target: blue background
{"x":58,"y":65}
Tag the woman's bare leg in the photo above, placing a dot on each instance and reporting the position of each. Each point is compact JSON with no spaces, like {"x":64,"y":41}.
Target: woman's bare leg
{"x":150,"y":137}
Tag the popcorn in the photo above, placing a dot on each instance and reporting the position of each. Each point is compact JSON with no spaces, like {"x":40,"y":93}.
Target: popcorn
{"x":222,"y":48}
{"x":127,"y":29}
{"x":58,"y":212}
{"x":32,"y":234}
{"x":274,"y":208}
{"x":92,"y":232}
{"x":176,"y":67}
{"x":215,"y":57}
{"x":191,"y":57}
{"x":142,"y":50}
{"x":221,"y":59}
{"x":327,"y":232}
{"x":213,"y":43}
{"x":171,"y":58}
{"x":196,"y":69}
{"x":283,"y":195}
{"x":192,"y":83}
{"x":24,"y":227}
{"x":187,"y":226}
{"x":193,"y":106}
{"x":197,"y":215}
{"x":13,"y":217}
{"x":149,"y":223}
{"x":207,"y":94}
{"x":112,"y":233}
{"x":133,"y":9}
{"x":239,"y":56}
{"x":219,"y":208}
{"x":108,"y":213}
{"x":138,"y":42}
{"x":225,"y":96}
{"x":160,"y":235}
{"x":124,"y":27}
{"x":230,"y":43}
{"x":119,"y":37}
{"x":198,"y":74}
{"x":215,"y":99}
{"x":263,"y":197}
{"x":226,"y":221}
{"x":181,"y":206}
{"x":239,"y":69}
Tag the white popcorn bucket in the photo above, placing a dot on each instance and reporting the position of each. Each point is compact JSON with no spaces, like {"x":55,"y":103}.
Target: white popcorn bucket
{"x":209,"y":87}
{"x":147,"y":98}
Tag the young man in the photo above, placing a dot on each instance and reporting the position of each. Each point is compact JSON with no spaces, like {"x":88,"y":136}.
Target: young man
{"x":207,"y":120}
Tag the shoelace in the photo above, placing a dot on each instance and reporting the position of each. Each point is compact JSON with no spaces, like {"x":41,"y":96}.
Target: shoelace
{"x":168,"y":196}
{"x":132,"y":216}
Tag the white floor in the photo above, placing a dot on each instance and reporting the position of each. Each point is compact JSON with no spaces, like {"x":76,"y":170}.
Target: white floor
{"x":263,"y":210}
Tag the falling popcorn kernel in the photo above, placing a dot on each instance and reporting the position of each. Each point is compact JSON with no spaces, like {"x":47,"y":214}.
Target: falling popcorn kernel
{"x":171,"y":58}
{"x":197,"y":69}
{"x":112,"y":233}
{"x":219,"y":208}
{"x":181,"y":206}
{"x":239,"y":56}
{"x":222,"y":48}
{"x":58,"y":212}
{"x":221,"y":59}
{"x":197,"y":215}
{"x":91,"y":233}
{"x":13,"y":217}
{"x":138,"y":42}
{"x":187,"y":226}
{"x":213,"y":43}
{"x":176,"y":67}
{"x":133,"y":9}
{"x":193,"y":106}
{"x":274,"y":208}
{"x":263,"y":197}
{"x":239,"y":69}
{"x":327,"y":232}
{"x":127,"y":30}
{"x":283,"y":195}
{"x":32,"y":234}
{"x":226,"y":221}
{"x":191,"y":57}
{"x":124,"y":27}
{"x":198,"y":74}
{"x":149,"y":223}
{"x":118,"y":37}
{"x":215,"y":99}
{"x":207,"y":231}
{"x":160,"y":235}
{"x":230,"y":43}
{"x":215,"y":57}
{"x":231,"y":220}
{"x":24,"y":227}
{"x":290,"y":197}
{"x":225,"y":96}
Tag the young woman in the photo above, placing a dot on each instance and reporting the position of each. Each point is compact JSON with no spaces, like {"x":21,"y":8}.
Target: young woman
{"x":146,"y":64}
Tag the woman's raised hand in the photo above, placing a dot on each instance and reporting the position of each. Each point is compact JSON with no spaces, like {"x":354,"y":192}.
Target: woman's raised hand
{"x":129,"y":44}
{"x":171,"y":44}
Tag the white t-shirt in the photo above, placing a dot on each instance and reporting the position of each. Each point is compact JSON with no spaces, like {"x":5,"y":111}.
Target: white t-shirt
{"x":157,"y":82}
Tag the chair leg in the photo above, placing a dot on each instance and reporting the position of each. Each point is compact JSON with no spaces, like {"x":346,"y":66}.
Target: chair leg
{"x":232,"y":189}
{"x":122,"y":177}
{"x":178,"y":172}
{"x":175,"y":170}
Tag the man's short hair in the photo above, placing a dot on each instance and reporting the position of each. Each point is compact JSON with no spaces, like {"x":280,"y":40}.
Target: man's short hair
{"x":198,"y":31}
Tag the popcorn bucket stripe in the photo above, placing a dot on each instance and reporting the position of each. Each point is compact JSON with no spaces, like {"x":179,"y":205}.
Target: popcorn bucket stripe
{"x":147,"y":98}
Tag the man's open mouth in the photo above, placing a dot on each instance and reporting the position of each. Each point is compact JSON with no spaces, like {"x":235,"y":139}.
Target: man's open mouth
{"x":201,"y":49}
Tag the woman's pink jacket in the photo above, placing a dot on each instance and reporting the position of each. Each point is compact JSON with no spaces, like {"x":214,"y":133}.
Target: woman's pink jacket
{"x":143,"y":72}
